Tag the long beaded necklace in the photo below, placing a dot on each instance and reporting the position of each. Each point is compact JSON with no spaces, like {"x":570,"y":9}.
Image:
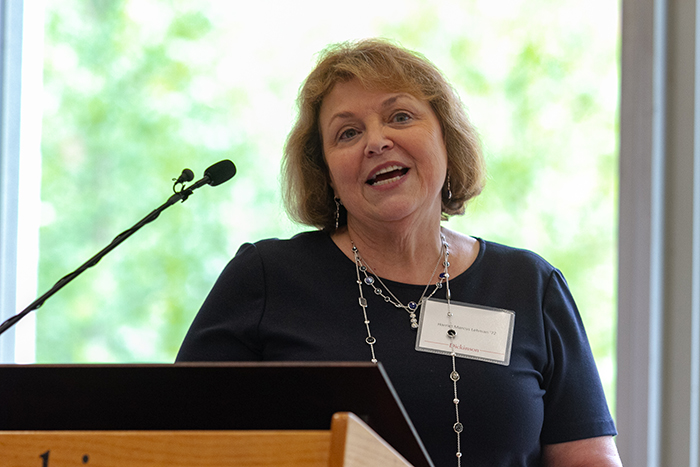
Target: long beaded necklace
{"x":412,"y":306}
{"x":361,"y":266}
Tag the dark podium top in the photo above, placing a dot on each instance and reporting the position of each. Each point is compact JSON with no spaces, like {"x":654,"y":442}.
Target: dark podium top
{"x":205,"y":396}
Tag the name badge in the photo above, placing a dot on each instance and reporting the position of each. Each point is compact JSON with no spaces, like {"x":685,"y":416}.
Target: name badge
{"x":472,"y":331}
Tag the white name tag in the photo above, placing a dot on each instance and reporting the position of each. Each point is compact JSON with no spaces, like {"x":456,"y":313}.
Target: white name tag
{"x":479,"y":333}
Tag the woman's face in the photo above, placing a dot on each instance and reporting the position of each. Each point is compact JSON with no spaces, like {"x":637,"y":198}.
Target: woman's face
{"x":385,"y":152}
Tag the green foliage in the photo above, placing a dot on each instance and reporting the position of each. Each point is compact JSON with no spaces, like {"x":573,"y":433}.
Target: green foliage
{"x":125,"y":122}
{"x":137,"y":90}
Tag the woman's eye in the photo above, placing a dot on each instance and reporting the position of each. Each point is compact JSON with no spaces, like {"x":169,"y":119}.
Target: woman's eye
{"x":401,"y":117}
{"x":349,"y":133}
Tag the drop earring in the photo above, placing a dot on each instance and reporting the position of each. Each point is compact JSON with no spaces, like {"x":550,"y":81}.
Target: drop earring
{"x":337,"y":211}
{"x":449,"y":188}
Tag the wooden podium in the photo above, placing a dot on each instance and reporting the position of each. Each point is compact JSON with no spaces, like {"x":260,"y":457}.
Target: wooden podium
{"x":232,"y":414}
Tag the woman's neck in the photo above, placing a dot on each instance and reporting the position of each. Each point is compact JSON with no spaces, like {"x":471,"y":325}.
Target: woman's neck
{"x":403,"y":254}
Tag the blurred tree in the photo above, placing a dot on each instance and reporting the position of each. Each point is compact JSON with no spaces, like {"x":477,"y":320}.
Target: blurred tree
{"x":136,"y":90}
{"x":124,"y":118}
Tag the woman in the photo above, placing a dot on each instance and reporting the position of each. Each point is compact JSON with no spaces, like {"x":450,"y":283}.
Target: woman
{"x":382,"y":152}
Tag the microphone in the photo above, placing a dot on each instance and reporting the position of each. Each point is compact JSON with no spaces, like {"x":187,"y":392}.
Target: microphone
{"x":221,"y":172}
{"x":217,"y":174}
{"x":186,"y":176}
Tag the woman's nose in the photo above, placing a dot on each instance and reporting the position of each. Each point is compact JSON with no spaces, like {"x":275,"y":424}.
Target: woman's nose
{"x":377,"y":141}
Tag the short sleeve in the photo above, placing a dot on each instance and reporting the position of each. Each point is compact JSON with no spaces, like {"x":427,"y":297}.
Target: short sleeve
{"x":575,"y":405}
{"x":226,"y":326}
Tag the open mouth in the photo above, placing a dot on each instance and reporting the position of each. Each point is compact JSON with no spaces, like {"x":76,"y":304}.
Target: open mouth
{"x":387,"y":175}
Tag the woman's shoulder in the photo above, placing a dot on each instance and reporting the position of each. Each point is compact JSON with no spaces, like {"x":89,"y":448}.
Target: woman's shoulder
{"x":499,"y":252}
{"x":310,"y":239}
{"x":484,"y":250}
{"x":281,"y":254}
{"x":304,"y":245}
{"x":512,"y":272}
{"x":494,"y":257}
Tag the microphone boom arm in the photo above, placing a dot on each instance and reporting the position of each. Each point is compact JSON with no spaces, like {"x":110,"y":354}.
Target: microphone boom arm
{"x":181,"y":195}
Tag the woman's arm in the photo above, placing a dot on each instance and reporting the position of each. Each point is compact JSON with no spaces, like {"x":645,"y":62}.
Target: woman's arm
{"x":598,"y":452}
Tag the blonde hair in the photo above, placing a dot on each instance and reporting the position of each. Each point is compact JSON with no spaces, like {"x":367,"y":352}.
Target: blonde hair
{"x":377,"y":64}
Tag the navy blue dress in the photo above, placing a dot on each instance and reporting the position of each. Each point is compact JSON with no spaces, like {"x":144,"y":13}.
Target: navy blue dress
{"x":297,"y":300}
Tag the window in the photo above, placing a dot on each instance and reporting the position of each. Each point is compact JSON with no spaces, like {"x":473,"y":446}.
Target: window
{"x":135,"y":91}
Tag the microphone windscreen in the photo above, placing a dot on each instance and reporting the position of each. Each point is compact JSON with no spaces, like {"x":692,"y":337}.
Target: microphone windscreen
{"x":186,"y":176}
{"x":220,"y":172}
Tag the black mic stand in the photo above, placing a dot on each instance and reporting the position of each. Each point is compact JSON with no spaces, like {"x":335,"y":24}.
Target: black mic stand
{"x":181,"y":195}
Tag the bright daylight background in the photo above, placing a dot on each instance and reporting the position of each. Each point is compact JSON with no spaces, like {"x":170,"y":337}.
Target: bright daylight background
{"x":137,"y":90}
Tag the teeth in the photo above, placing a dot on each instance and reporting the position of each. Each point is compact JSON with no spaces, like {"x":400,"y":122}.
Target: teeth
{"x":388,"y":180}
{"x":391,"y":168}
{"x":388,"y":169}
